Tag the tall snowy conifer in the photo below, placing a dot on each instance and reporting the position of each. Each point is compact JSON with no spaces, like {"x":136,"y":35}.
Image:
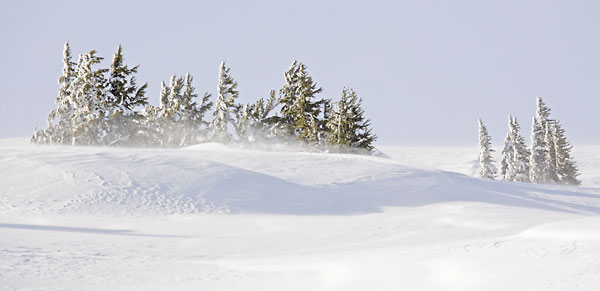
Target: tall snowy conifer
{"x":189,"y":113}
{"x":487,"y":170}
{"x":508,"y":153}
{"x":299,"y":113}
{"x":225,"y":106}
{"x":521,"y":156}
{"x":550,"y":167}
{"x":515,"y":154}
{"x":124,"y":95}
{"x":189,"y":109}
{"x":60,"y":119}
{"x":537,"y":159}
{"x":88,"y":95}
{"x":164,"y":96}
{"x":347,"y":125}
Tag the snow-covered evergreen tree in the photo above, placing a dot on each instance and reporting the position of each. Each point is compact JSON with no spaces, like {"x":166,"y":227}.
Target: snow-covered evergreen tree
{"x":167,"y":120}
{"x":347,"y":126}
{"x":164,"y":95}
{"x":515,"y":154}
{"x":487,"y":170}
{"x":88,"y":97}
{"x":188,"y":108}
{"x":178,"y":120}
{"x":566,"y":169}
{"x":192,"y":113}
{"x":300,"y":114}
{"x":253,"y":122}
{"x":174,"y":99}
{"x":508,"y":153}
{"x":124,"y":94}
{"x":225,"y":107}
{"x":550,"y":166}
{"x":60,"y":119}
{"x":537,"y":158}
{"x":542,"y":112}
{"x":521,"y":156}
{"x":244,"y":123}
{"x":125,"y":125}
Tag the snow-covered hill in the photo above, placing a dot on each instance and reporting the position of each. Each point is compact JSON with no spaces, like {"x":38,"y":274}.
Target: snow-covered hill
{"x":211,"y":217}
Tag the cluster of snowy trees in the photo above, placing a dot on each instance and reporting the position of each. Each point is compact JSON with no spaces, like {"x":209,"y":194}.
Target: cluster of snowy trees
{"x":547,"y":160}
{"x":99,"y":106}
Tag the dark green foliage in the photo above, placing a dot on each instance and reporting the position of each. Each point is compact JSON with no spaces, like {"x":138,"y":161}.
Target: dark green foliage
{"x":347,"y":124}
{"x":300,"y":114}
{"x":124,"y":93}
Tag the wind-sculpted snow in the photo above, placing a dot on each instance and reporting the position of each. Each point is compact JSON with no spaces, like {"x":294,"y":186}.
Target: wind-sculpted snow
{"x":211,"y":217}
{"x":214,"y":178}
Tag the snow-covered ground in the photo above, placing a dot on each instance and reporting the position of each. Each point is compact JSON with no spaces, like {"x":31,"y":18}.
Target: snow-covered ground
{"x":210,"y":217}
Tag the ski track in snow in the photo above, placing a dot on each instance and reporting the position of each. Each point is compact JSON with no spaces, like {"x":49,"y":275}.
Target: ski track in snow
{"x":209,"y":217}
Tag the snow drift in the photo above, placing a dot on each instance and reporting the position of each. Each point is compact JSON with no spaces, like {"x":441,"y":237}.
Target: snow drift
{"x":214,"y":178}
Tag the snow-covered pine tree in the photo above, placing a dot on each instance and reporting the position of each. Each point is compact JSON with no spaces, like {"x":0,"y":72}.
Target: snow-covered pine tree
{"x":521,"y":155}
{"x":167,"y":121}
{"x":88,"y":97}
{"x":487,"y":170}
{"x":191,"y":113}
{"x":542,"y":112}
{"x":204,"y":106}
{"x":225,"y":106}
{"x":347,"y":126}
{"x":566,"y":169}
{"x":60,"y":119}
{"x":244,"y":123}
{"x":550,"y":167}
{"x":514,"y":165}
{"x":299,"y":113}
{"x":363,"y":133}
{"x":155,"y":125}
{"x":164,"y":95}
{"x":253,"y":121}
{"x":123,"y":96}
{"x":537,"y":159}
{"x":338,"y":122}
{"x":508,"y":153}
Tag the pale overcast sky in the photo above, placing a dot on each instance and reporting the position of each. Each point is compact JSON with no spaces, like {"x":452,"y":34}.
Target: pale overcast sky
{"x":426,"y":69}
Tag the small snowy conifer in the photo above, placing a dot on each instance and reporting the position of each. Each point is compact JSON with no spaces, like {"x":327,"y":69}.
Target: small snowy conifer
{"x":124,"y":94}
{"x":487,"y":170}
{"x":346,"y":124}
{"x":225,"y":106}
{"x":508,"y":152}
{"x":566,"y":169}
{"x":299,"y":113}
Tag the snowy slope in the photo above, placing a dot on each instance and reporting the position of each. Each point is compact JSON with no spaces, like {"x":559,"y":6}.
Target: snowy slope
{"x":211,"y":217}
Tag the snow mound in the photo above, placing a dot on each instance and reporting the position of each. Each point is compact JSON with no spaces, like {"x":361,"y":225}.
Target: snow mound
{"x":214,"y":178}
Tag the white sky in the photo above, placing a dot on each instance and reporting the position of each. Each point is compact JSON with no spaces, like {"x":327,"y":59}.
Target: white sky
{"x":426,"y":69}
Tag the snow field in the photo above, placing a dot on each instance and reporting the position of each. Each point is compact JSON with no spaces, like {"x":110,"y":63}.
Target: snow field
{"x":210,"y":217}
